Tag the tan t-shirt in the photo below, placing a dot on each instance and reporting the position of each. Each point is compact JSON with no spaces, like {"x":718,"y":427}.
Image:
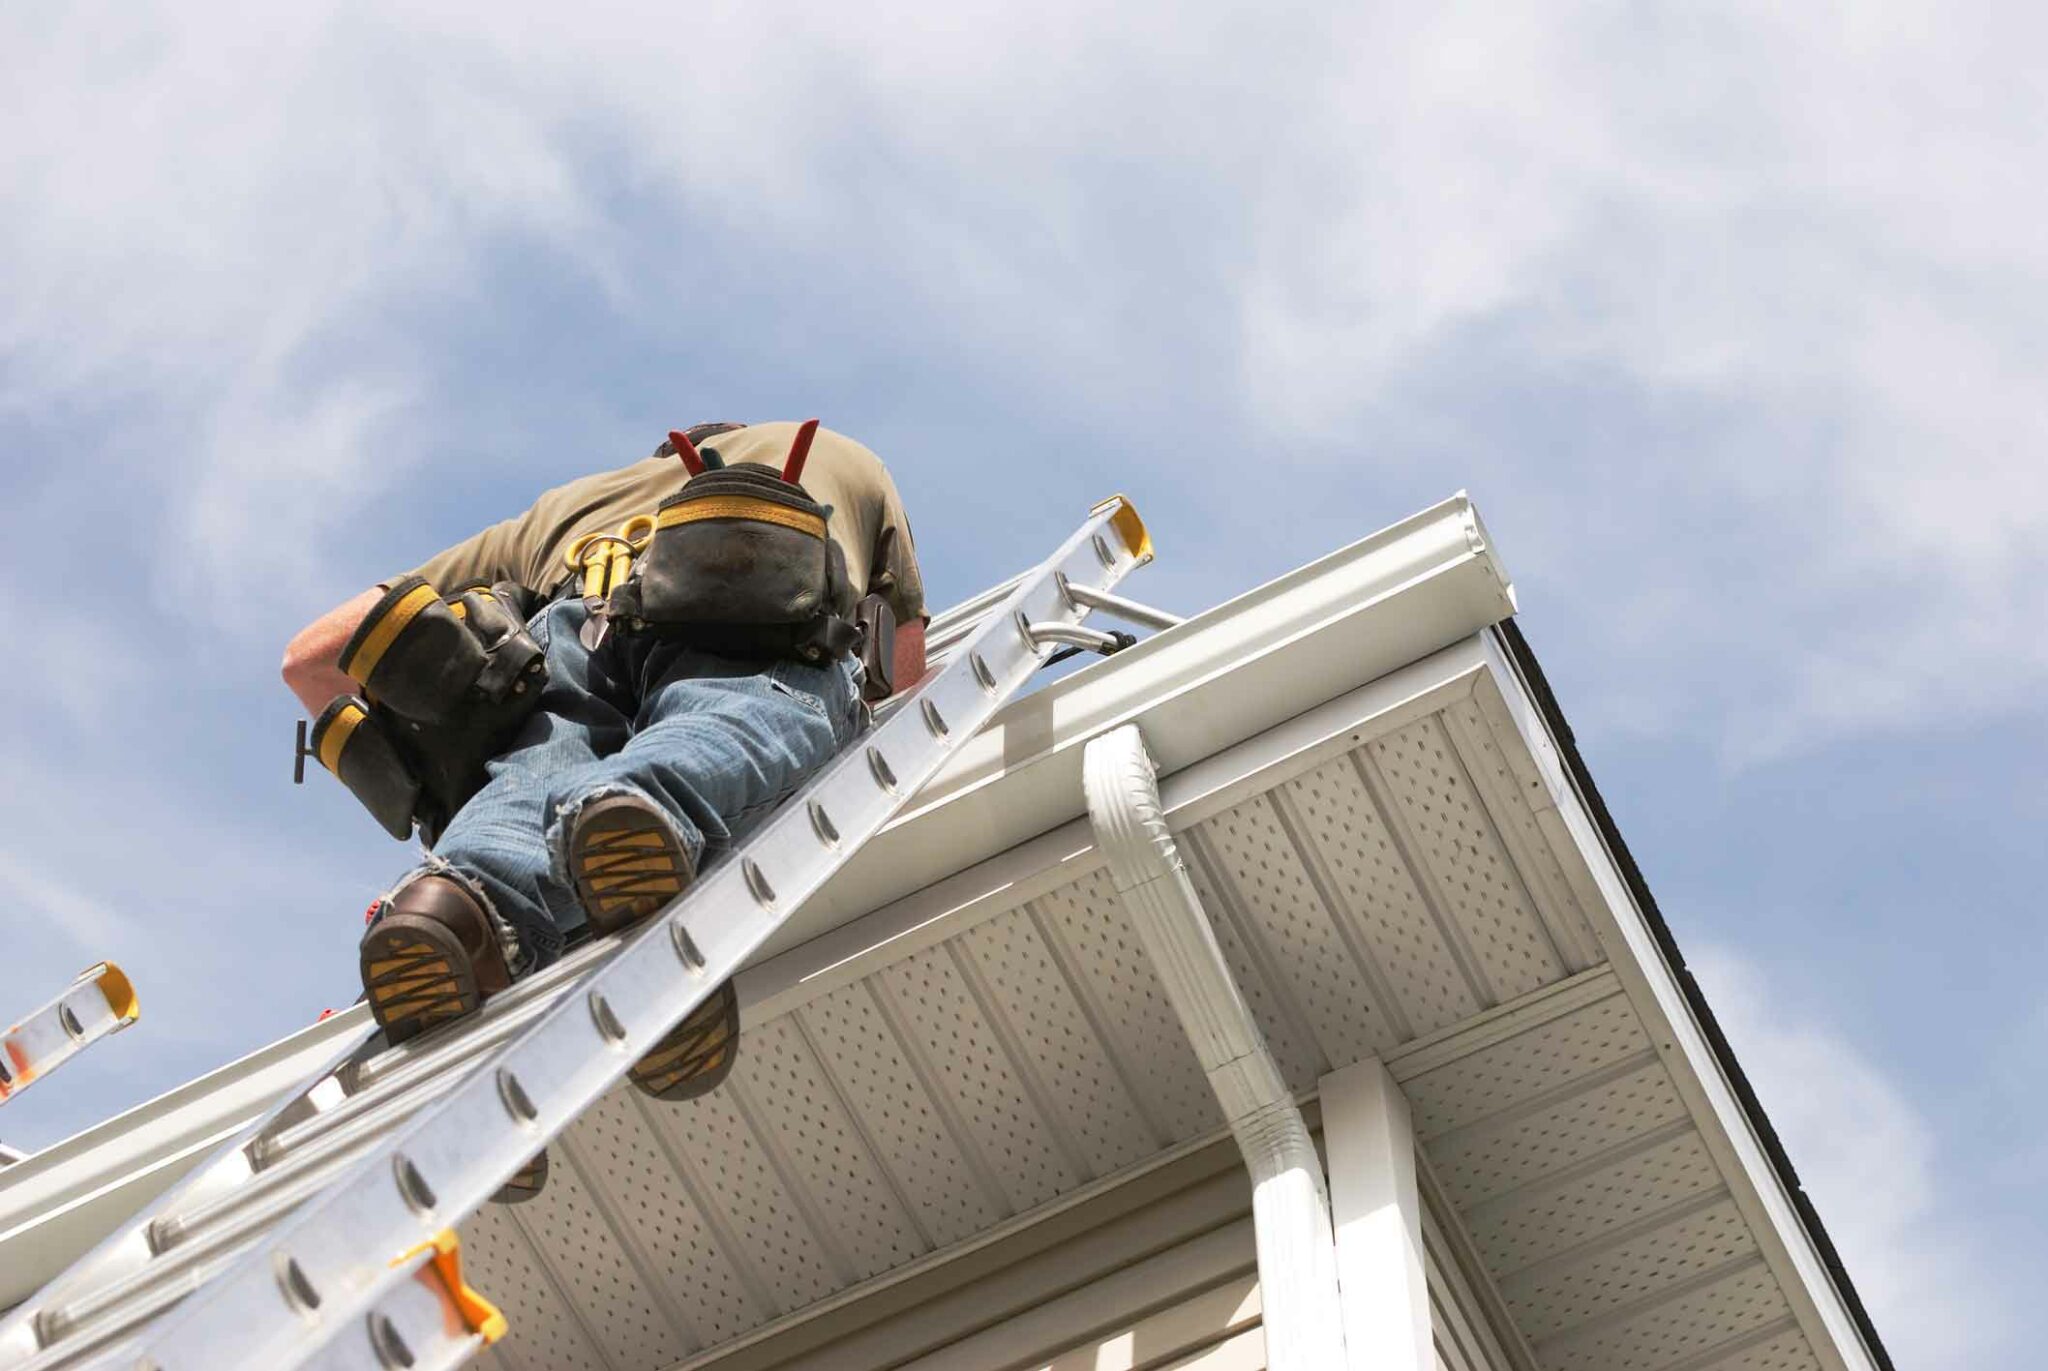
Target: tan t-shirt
{"x":867,"y":516}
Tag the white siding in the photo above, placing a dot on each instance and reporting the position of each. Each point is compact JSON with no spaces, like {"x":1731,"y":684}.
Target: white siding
{"x":1157,"y":1275}
{"x":1465,"y":1338}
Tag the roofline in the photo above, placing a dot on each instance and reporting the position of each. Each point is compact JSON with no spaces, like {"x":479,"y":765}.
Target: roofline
{"x":1523,"y":660}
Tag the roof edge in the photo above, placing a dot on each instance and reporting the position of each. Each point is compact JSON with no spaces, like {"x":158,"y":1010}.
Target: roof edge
{"x":1523,"y":659}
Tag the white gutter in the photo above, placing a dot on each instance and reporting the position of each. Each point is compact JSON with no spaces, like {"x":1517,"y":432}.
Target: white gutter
{"x":1304,"y":1319}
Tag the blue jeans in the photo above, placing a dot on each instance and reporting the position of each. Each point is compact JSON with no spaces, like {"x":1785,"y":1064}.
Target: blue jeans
{"x":714,"y":742}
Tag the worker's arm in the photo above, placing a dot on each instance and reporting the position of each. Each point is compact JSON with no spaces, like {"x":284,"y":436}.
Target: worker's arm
{"x":311,"y":658}
{"x":909,"y":661}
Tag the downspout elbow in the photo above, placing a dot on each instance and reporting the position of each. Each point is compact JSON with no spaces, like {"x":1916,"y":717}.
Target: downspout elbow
{"x":1290,"y":1203}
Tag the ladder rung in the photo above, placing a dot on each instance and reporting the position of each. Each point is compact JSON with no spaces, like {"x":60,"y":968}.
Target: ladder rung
{"x":416,"y":1071}
{"x":172,"y":1231}
{"x":84,"y":1338}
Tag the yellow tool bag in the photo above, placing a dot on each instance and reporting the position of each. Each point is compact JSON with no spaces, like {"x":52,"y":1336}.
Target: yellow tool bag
{"x":447,"y":681}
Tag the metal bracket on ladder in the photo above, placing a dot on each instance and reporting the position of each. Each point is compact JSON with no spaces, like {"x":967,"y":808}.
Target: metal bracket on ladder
{"x":319,"y":1236}
{"x":99,"y":1002}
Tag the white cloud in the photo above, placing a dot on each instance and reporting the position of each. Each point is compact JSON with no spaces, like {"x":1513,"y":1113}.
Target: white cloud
{"x":1811,"y":216}
{"x":1871,"y":1163}
{"x":1816,"y":217}
{"x":273,"y":490}
{"x":84,"y":667}
{"x":36,"y":896}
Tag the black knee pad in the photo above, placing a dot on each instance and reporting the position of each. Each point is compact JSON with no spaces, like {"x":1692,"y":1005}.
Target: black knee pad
{"x":413,"y":653}
{"x":465,"y":658}
{"x":447,"y":681}
{"x":353,"y":743}
{"x":508,"y":686}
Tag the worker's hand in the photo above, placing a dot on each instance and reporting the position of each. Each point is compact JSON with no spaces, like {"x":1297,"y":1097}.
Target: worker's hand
{"x":311,"y":658}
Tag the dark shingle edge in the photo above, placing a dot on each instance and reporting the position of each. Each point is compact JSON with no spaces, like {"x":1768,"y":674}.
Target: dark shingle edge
{"x":1582,"y":780}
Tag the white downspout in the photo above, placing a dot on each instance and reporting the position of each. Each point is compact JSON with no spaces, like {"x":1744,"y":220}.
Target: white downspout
{"x":1290,"y":1208}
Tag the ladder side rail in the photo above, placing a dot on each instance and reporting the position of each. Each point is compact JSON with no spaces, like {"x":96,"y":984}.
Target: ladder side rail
{"x":947,"y":630}
{"x":411,"y":1327}
{"x":974,"y":605}
{"x":942,"y":650}
{"x":430,"y":1321}
{"x":314,"y":1273}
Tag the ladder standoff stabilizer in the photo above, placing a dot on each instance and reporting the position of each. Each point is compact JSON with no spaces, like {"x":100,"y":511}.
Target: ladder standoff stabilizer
{"x":99,"y":1002}
{"x":304,"y":1241}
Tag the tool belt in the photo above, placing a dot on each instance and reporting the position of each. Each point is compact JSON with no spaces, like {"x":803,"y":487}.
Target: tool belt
{"x":740,"y":564}
{"x":446,"y":682}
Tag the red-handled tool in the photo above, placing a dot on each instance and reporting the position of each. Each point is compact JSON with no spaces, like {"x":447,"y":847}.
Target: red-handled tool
{"x":799,"y":451}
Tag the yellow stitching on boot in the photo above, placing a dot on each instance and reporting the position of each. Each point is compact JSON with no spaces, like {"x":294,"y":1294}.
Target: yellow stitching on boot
{"x":406,"y":959}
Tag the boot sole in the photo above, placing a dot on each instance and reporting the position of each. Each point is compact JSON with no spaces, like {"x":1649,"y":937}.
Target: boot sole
{"x":529,"y":1180}
{"x":627,"y":866}
{"x":698,"y":1053}
{"x":416,"y":976}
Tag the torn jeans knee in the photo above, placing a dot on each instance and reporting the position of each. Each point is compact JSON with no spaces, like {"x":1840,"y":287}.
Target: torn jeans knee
{"x":519,"y":957}
{"x":562,"y":822}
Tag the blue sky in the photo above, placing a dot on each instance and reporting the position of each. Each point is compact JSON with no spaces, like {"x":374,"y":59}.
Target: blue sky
{"x":1731,"y":322}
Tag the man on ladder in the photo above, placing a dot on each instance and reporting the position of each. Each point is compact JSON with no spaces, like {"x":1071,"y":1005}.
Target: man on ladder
{"x":625,"y":676}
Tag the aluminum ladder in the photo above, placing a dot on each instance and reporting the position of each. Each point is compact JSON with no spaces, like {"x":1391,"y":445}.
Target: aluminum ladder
{"x":99,"y":1002}
{"x":323,"y":1234}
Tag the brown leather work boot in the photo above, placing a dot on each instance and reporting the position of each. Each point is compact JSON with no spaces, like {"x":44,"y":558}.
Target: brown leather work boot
{"x":627,"y":865}
{"x":431,"y":957}
{"x":698,"y":1053}
{"x":529,"y":1180}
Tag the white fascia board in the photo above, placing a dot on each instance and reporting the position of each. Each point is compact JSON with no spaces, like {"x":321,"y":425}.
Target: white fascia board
{"x":57,"y":1203}
{"x":1638,"y":962}
{"x":948,"y":907}
{"x":1221,"y":677}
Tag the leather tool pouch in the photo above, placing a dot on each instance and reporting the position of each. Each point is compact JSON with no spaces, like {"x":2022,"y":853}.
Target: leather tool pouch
{"x":355,"y":745}
{"x":877,"y":625}
{"x":740,"y":565}
{"x":446,"y":681}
